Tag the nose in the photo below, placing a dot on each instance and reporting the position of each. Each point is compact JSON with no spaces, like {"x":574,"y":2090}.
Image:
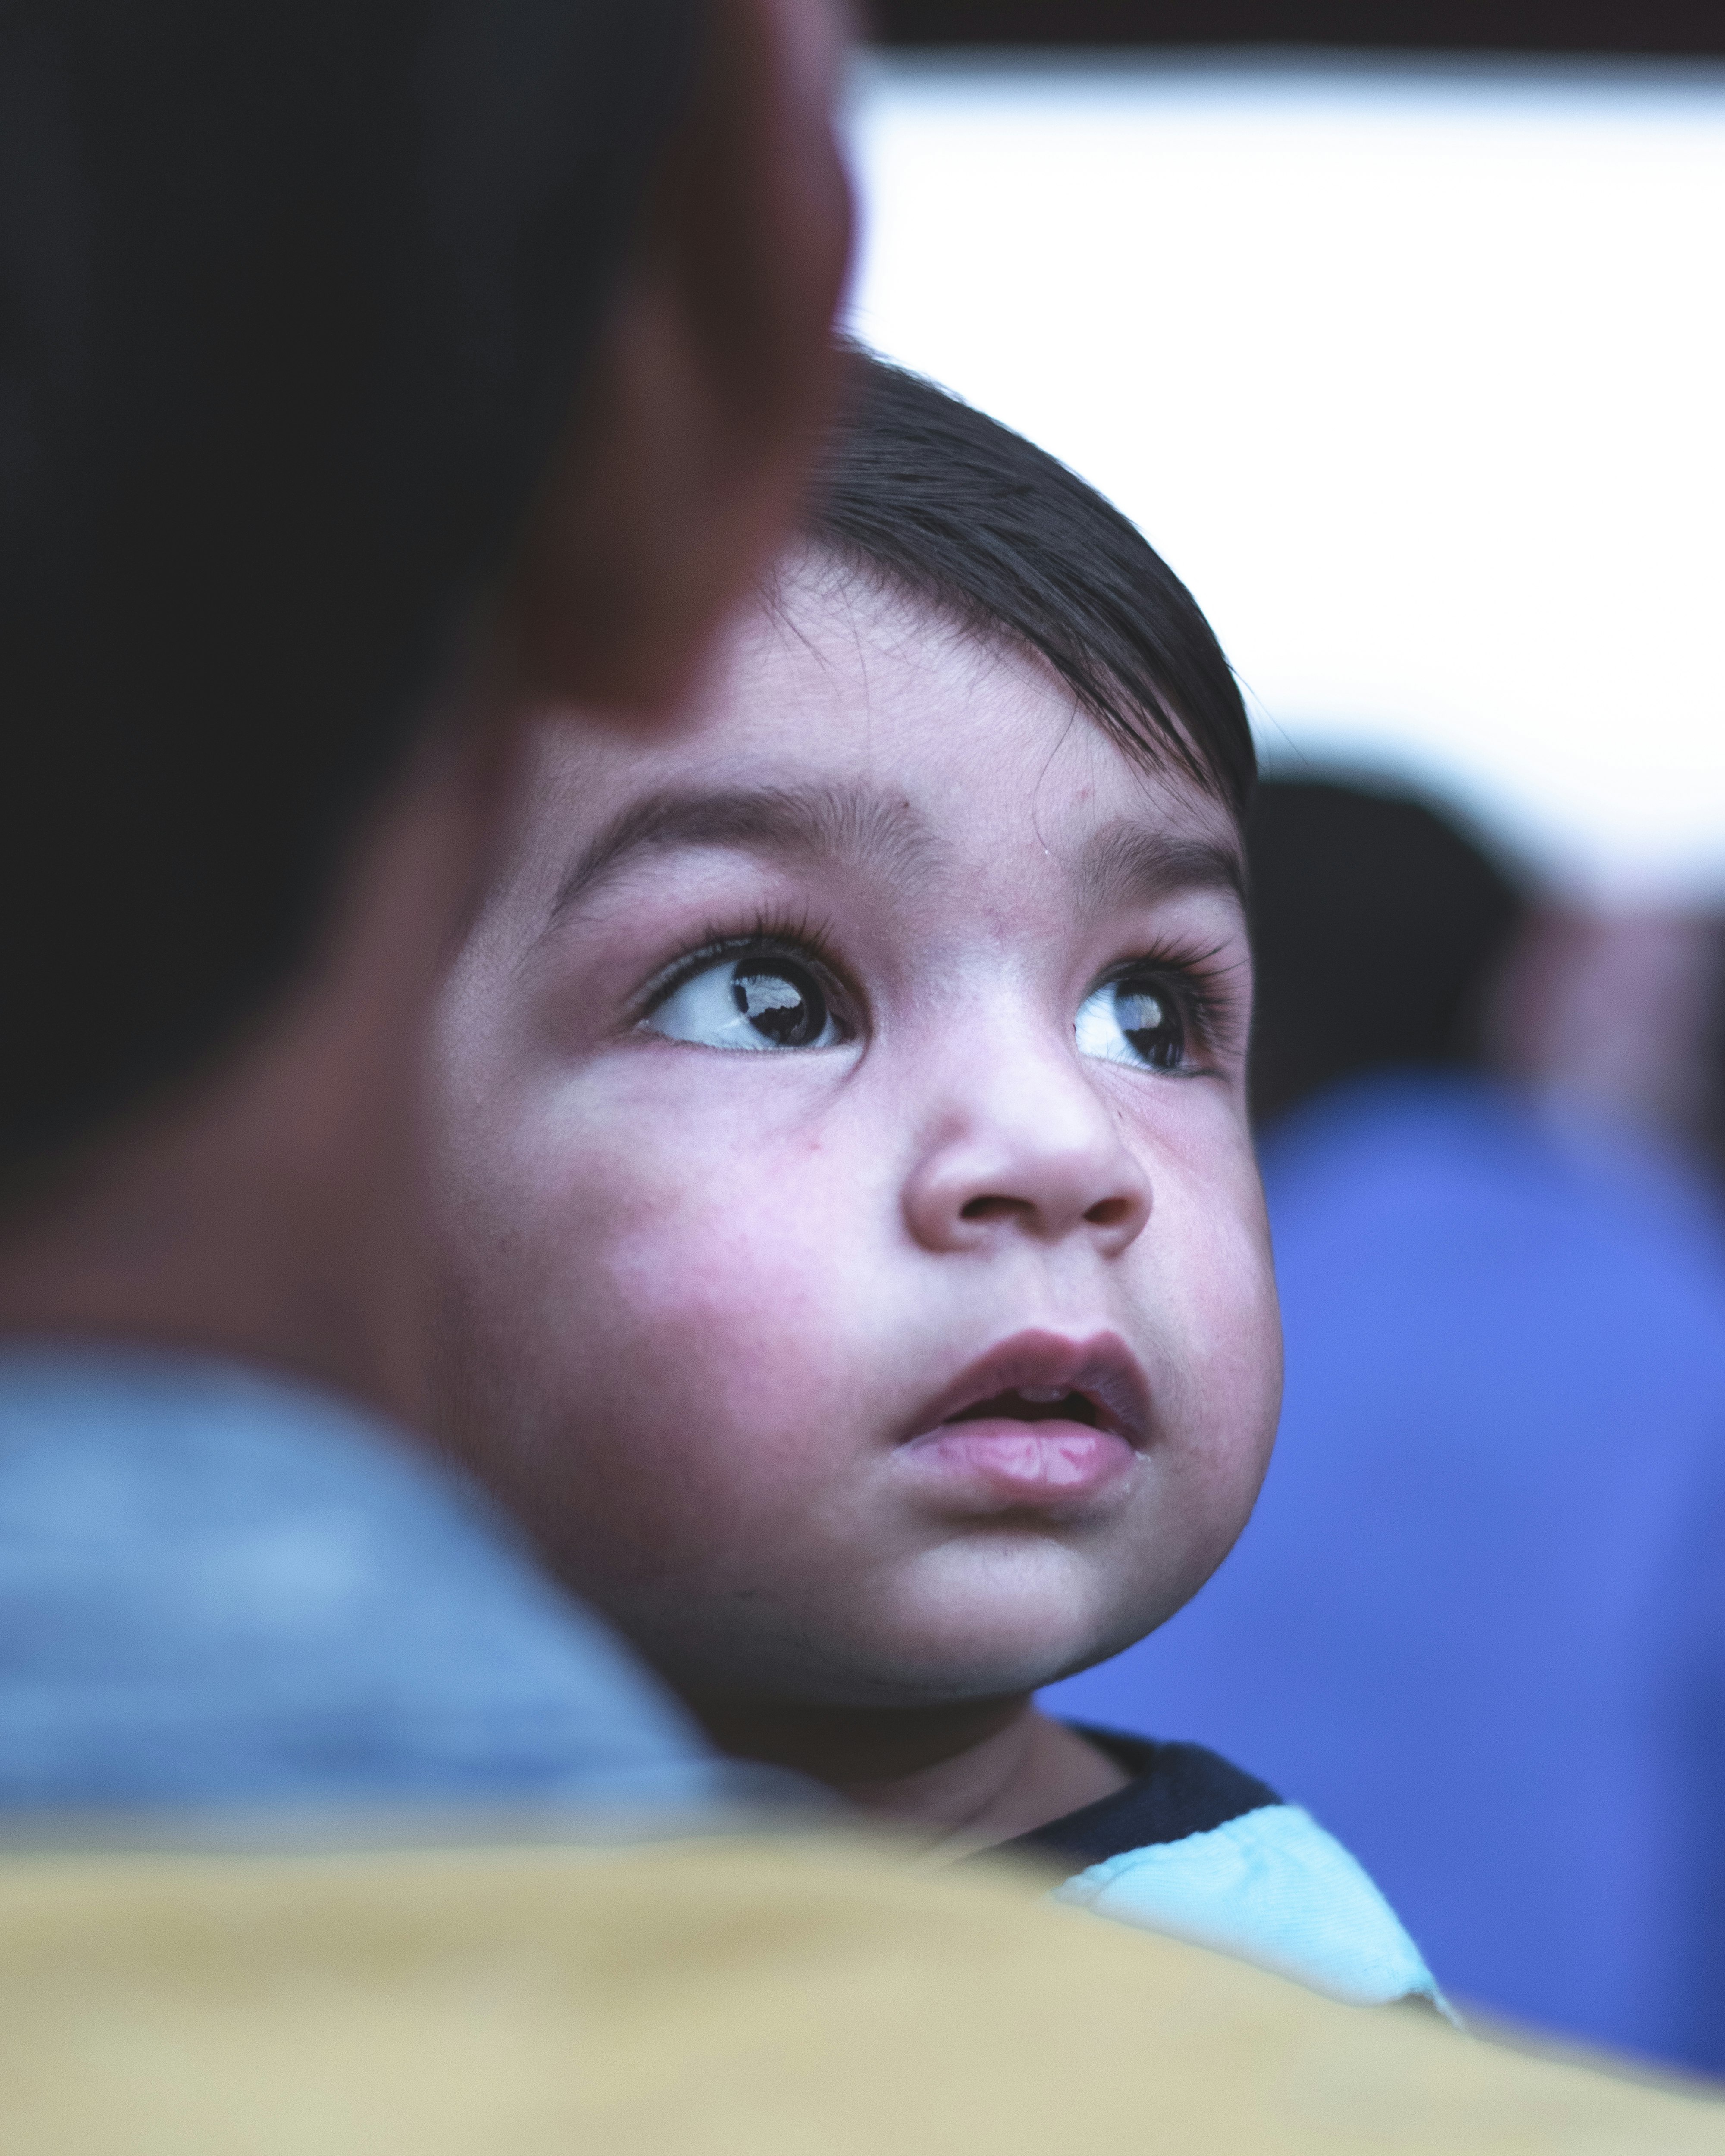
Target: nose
{"x":1034,"y":1151}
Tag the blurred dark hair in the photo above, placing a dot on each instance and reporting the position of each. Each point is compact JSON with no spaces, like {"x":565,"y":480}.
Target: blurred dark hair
{"x":294,"y":300}
{"x":1377,"y":926}
{"x":961,"y":514}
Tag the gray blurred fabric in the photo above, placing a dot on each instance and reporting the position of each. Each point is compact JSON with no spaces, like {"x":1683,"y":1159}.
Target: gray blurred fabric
{"x":222,"y":1590}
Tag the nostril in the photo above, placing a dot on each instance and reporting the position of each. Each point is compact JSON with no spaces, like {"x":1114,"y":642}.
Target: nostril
{"x":1109,"y":1213}
{"x":992,"y":1208}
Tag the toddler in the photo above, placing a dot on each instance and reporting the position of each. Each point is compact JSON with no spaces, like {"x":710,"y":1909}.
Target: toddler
{"x":856,"y":1271}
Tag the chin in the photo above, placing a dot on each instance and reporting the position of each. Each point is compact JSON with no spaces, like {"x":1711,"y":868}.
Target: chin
{"x":993,"y":1649}
{"x":961,"y":1623}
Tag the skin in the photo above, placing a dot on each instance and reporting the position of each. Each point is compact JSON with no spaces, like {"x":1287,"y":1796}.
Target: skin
{"x":703,"y":1307}
{"x":270,"y":1208}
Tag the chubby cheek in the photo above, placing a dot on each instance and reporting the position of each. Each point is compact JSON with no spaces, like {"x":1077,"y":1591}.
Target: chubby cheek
{"x":1214,"y":1284}
{"x":698,"y":1363}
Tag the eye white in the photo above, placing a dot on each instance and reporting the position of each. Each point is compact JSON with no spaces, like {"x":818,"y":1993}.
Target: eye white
{"x":747,"y":1003}
{"x":1118,"y":1022}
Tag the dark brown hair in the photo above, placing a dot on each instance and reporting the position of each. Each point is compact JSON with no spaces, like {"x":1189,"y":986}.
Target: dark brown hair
{"x":920,"y":489}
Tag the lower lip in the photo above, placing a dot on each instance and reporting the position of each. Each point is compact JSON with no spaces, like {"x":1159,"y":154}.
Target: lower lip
{"x":999,"y":1463}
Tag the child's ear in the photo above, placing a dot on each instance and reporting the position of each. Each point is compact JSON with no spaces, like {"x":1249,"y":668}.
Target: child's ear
{"x":712,"y":382}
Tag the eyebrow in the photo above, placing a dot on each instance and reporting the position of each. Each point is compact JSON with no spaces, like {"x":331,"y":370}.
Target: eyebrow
{"x":787,"y":823}
{"x":1128,"y":861}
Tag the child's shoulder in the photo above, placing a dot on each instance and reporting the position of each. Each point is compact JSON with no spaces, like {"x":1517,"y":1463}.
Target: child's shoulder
{"x":1198,"y":1848}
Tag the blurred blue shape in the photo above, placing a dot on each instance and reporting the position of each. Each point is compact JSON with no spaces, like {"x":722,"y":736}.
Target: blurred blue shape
{"x":1477,"y":1623}
{"x":221,"y":1592}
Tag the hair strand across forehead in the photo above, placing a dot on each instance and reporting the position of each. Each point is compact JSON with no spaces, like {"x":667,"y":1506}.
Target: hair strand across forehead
{"x":921,"y":490}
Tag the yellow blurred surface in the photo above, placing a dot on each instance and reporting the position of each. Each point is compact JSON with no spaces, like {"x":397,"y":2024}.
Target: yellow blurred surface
{"x":748,"y":1996}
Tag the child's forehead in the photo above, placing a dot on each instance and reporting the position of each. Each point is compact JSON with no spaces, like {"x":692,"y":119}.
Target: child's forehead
{"x":836,"y":687}
{"x":870,"y":635}
{"x":835,"y":669}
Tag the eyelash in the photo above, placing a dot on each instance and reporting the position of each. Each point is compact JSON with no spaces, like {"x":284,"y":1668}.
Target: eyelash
{"x":1209,"y":1010}
{"x":784,"y":935}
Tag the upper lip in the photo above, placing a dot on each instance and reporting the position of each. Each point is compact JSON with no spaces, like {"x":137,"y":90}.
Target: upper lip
{"x":1098,"y":1365}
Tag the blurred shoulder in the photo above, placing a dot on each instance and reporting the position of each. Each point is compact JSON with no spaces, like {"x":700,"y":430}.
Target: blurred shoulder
{"x":766,"y":1994}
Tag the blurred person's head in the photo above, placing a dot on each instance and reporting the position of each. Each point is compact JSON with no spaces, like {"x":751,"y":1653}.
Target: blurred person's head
{"x":334,"y":338}
{"x":857,"y":1271}
{"x":1377,"y":927}
{"x":1617,"y":1012}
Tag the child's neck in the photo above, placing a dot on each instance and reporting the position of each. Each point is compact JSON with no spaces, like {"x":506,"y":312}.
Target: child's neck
{"x":969,"y":1776}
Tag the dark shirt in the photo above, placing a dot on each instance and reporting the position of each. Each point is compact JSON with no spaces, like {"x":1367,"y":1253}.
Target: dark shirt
{"x":1176,"y":1789}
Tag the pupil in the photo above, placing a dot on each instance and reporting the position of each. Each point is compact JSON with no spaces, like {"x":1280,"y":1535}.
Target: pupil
{"x":789,"y":1011}
{"x":1151,"y":1027}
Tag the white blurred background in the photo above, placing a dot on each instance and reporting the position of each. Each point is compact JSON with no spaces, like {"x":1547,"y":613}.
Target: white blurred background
{"x":1412,"y":369}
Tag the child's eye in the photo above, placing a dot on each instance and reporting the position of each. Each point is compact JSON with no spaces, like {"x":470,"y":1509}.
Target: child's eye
{"x":754,"y":1001}
{"x":1136,"y":1021}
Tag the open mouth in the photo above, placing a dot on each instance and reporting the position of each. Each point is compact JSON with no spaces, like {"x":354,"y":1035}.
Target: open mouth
{"x":1043,"y":1420}
{"x":1031,"y":1404}
{"x":1092,"y":1380}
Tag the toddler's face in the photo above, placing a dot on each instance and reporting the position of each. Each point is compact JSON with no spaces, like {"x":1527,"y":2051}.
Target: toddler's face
{"x":858,"y":1276}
